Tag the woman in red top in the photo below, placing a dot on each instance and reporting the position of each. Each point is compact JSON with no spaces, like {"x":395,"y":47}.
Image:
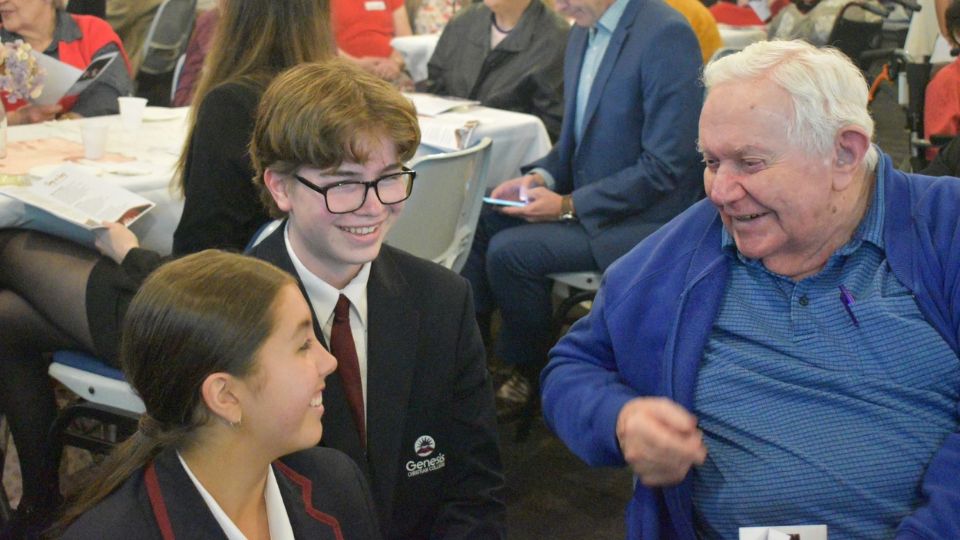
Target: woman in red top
{"x":735,"y":13}
{"x":363,"y":30}
{"x":74,"y":40}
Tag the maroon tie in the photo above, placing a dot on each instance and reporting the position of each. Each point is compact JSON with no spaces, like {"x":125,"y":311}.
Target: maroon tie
{"x":343,"y":347}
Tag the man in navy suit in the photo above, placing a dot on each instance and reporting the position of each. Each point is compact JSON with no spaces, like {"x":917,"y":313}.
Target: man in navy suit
{"x":625,"y":163}
{"x":416,"y":410}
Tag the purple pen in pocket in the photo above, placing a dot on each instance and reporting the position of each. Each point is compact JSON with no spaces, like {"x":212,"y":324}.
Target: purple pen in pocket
{"x":848,"y":301}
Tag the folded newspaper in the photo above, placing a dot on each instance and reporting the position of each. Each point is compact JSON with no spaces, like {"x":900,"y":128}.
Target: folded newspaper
{"x":72,"y":194}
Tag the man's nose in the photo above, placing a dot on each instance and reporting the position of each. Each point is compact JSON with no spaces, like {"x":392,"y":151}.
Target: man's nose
{"x":724,"y":186}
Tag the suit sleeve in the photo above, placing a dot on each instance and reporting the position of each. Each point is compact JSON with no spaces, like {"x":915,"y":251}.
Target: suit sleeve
{"x":557,"y":160}
{"x":359,"y":512}
{"x":369,"y":528}
{"x":473,"y":506}
{"x":670,"y":97}
{"x":548,"y":85}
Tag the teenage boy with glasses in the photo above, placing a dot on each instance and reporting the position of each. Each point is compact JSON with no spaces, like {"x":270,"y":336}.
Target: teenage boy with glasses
{"x":411,"y":402}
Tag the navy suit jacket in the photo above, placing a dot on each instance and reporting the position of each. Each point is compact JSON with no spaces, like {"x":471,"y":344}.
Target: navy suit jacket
{"x":636,"y":165}
{"x":325,"y":495}
{"x":426,"y":376}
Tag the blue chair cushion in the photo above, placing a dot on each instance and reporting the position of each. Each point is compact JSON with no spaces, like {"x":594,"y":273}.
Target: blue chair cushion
{"x":86,"y":362}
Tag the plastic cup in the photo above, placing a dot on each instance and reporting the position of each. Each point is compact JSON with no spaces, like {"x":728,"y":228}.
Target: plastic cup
{"x":131,"y":112}
{"x":94,"y":135}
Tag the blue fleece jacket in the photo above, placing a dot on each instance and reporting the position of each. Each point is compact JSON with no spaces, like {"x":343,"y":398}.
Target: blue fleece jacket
{"x":654,"y":312}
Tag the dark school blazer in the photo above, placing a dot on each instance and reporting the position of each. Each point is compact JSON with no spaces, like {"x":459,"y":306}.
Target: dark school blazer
{"x":432,"y":455}
{"x":324,"y":492}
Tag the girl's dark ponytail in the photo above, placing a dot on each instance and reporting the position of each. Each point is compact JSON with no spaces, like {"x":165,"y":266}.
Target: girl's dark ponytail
{"x":131,"y":455}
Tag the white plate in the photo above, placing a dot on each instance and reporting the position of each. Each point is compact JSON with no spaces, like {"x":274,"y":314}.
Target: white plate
{"x":159,"y":114}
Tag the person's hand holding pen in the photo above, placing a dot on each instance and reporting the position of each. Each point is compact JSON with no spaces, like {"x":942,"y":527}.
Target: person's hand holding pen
{"x":542,"y":203}
{"x":659,"y":440}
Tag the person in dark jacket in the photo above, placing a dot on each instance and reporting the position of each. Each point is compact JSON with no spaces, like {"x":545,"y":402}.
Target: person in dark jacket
{"x":411,"y":402}
{"x":221,"y":349}
{"x":506,"y":54}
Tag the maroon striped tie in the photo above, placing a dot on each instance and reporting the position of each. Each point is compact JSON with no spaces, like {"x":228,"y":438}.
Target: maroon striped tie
{"x":343,"y":347}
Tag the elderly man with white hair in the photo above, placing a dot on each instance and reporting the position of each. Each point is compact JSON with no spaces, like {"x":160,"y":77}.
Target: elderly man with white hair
{"x":785,"y":352}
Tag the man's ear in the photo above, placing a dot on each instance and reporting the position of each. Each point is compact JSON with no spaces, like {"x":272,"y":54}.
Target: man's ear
{"x":219,"y":395}
{"x":279,"y":189}
{"x":850,"y":147}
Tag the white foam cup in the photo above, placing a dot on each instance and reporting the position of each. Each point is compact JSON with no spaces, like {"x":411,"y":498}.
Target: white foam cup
{"x":131,"y":112}
{"x":94,"y":135}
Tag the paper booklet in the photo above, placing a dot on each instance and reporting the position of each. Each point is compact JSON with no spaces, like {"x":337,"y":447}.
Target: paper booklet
{"x":447,"y":132}
{"x":65,"y":80}
{"x":431,"y":105}
{"x":71,"y":194}
{"x":794,"y":532}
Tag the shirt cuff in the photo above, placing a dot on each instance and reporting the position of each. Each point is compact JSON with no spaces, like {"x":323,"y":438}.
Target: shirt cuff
{"x":545,"y":174}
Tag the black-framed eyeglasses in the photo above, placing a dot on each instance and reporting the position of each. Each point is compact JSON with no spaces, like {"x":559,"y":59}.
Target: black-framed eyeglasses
{"x":348,"y":196}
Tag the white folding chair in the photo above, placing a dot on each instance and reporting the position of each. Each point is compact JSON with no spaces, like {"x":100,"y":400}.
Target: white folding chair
{"x":177,"y":70}
{"x":441,"y":214}
{"x":168,"y":36}
{"x":573,"y":289}
{"x":738,"y":37}
{"x":107,"y":398}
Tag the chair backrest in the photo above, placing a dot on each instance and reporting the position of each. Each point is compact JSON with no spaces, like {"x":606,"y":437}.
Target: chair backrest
{"x":94,"y":380}
{"x":168,"y":36}
{"x":856,"y":30}
{"x":738,"y":37}
{"x":177,"y":70}
{"x":441,"y":215}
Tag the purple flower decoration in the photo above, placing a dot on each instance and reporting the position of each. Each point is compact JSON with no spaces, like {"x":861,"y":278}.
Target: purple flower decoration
{"x":20,"y":76}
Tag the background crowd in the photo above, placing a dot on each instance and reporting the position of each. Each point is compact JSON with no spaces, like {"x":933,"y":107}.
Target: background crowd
{"x":764,"y":265}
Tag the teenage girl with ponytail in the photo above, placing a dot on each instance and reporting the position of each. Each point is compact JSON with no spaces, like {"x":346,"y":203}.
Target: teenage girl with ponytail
{"x":221,"y":349}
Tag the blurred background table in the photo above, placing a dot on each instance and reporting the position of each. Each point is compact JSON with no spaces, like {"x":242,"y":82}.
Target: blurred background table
{"x":152,"y":150}
{"x":518,"y":138}
{"x":151,"y":154}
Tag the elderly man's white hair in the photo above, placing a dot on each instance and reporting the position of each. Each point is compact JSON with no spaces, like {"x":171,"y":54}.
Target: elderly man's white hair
{"x":828,"y":91}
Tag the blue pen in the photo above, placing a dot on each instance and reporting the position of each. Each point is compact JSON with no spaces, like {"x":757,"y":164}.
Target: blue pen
{"x":847,"y":299}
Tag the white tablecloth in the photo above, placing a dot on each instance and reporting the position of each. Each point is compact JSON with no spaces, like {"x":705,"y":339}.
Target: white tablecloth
{"x":517,"y":140}
{"x":155,"y":147}
{"x":416,"y":51}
